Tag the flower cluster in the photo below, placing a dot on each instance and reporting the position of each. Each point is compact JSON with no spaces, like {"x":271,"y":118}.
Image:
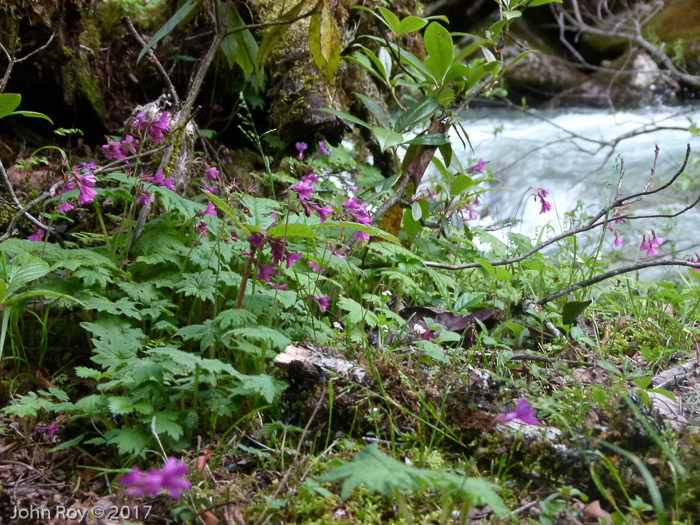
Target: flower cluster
{"x":619,"y":217}
{"x":38,"y":233}
{"x":154,"y":129}
{"x":323,"y":302}
{"x":278,"y":250}
{"x":649,"y":245}
{"x":523,"y":411}
{"x":478,"y":167}
{"x":159,"y":180}
{"x":119,"y":150}
{"x":356,"y":211}
{"x":171,"y":478}
{"x":541,"y":194}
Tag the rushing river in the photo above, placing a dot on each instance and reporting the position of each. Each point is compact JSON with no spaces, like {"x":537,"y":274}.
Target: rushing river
{"x":526,"y":151}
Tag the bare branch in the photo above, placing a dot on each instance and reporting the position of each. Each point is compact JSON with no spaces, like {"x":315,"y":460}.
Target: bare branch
{"x":11,"y":61}
{"x":154,"y":60}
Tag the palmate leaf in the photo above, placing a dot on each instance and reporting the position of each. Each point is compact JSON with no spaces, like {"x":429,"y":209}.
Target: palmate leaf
{"x":121,"y":307}
{"x":381,"y":473}
{"x":116,"y":332}
{"x":385,"y":475}
{"x":129,"y":440}
{"x":201,"y":285}
{"x":261,"y":209}
{"x":263,"y":333}
{"x":263,"y":385}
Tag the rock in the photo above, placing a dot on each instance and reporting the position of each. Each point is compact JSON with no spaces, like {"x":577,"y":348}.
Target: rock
{"x":632,"y":80}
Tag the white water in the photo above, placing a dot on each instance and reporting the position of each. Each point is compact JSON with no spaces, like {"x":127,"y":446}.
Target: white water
{"x":530,"y":152}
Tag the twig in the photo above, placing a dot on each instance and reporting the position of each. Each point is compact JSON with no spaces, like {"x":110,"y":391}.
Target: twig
{"x":154,"y":60}
{"x":550,"y":360}
{"x":617,"y":271}
{"x":275,"y":23}
{"x":31,"y":219}
{"x":27,"y":207}
{"x":670,"y":376}
{"x":12,"y":61}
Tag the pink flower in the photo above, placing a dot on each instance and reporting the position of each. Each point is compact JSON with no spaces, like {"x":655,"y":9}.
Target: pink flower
{"x":301,"y":148}
{"x":323,"y":302}
{"x":310,"y":178}
{"x":201,"y":228}
{"x":322,"y":147}
{"x":277,"y":250}
{"x":171,"y":478}
{"x":158,"y":127}
{"x":339,"y":255}
{"x":303,"y":189}
{"x":697,"y":260}
{"x":129,"y":144}
{"x":478,"y":167}
{"x":292,"y":258}
{"x":159,"y":180}
{"x":85,"y":185}
{"x":65,"y":207}
{"x":472,"y":214}
{"x":144,"y":198}
{"x":210,"y":189}
{"x":314,"y":266}
{"x":37,"y":236}
{"x":265,"y":272}
{"x":324,"y":212}
{"x":209,"y":211}
{"x":357,"y":211}
{"x":362,"y":236}
{"x":113,"y":150}
{"x":48,"y":429}
{"x":618,"y":241}
{"x":541,"y":194}
{"x":210,"y":172}
{"x":256,"y":239}
{"x":524,"y":412}
{"x":650,"y":245}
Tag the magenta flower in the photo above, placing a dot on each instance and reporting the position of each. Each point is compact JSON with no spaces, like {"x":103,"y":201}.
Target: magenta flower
{"x":310,"y":178}
{"x":303,"y":189}
{"x":541,"y":194}
{"x":650,"y":245}
{"x":256,"y":239}
{"x":314,"y":266}
{"x":523,"y":411}
{"x":324,"y":212}
{"x":210,"y":189}
{"x":210,"y":172}
{"x":171,"y":478}
{"x":85,"y":185}
{"x":357,"y":211}
{"x":265,"y":272}
{"x":301,"y":148}
{"x":281,"y":287}
{"x":472,"y":214}
{"x":37,"y":236}
{"x":362,"y":236}
{"x":323,"y":302}
{"x":339,"y":255}
{"x":65,"y":207}
{"x":144,"y":198}
{"x":478,"y":167}
{"x":277,"y":250}
{"x":322,"y":147}
{"x":697,"y":260}
{"x":48,"y":429}
{"x":159,"y":180}
{"x":113,"y":150}
{"x":158,"y":127}
{"x":618,"y":241}
{"x":201,"y":228}
{"x":209,"y":211}
{"x":292,"y":258}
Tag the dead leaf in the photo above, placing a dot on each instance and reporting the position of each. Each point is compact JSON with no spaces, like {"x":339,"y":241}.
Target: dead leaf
{"x":207,"y":517}
{"x":593,"y":510}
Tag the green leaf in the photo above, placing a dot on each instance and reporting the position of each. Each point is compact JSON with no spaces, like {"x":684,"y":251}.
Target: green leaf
{"x":275,"y":33}
{"x":412,"y":226}
{"x":536,"y":3}
{"x":267,"y":387}
{"x":188,"y":7}
{"x":375,"y":109}
{"x":391,"y":19}
{"x":246,"y":55}
{"x":268,"y":335}
{"x":372,"y":230}
{"x":356,"y":312}
{"x":510,"y":15}
{"x":430,"y":139}
{"x":345,"y":116}
{"x":32,"y":114}
{"x":460,"y":184}
{"x":417,"y":112}
{"x":416,"y":211}
{"x":487,"y":266}
{"x":8,"y":103}
{"x":381,"y":473}
{"x":120,"y":405}
{"x":411,"y":24}
{"x":572,"y":310}
{"x":129,"y":440}
{"x":324,"y":42}
{"x":29,"y":271}
{"x":261,"y":210}
{"x":438,"y":44}
{"x":387,"y":138}
{"x":229,"y":47}
{"x":292,"y":231}
{"x":517,"y":59}
{"x":201,"y":285}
